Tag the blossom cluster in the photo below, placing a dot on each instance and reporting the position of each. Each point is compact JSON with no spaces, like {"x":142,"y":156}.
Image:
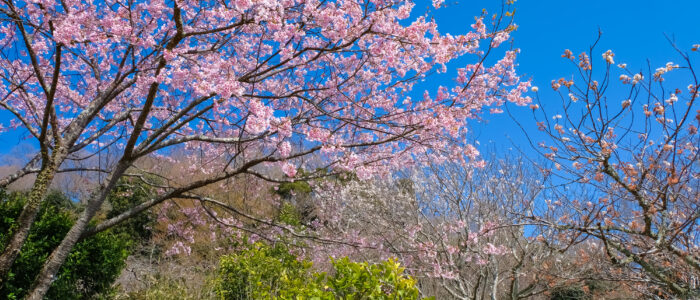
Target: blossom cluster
{"x":260,"y":75}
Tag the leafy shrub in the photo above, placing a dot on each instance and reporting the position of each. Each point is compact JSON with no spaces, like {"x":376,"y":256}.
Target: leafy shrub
{"x":128,"y":193}
{"x":386,"y":280}
{"x":89,"y":270}
{"x":261,"y":272}
{"x":289,"y":215}
{"x":265,"y":272}
{"x":296,"y":208}
{"x":288,"y":189}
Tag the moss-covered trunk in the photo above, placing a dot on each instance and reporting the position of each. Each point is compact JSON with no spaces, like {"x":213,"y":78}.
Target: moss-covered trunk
{"x":26,"y":218}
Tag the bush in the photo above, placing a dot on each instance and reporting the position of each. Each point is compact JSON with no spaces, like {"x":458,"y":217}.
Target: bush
{"x":288,"y":189}
{"x":264,"y":272}
{"x":89,"y":270}
{"x":386,"y":280}
{"x":289,"y":215}
{"x":128,"y":193}
{"x":261,"y":272}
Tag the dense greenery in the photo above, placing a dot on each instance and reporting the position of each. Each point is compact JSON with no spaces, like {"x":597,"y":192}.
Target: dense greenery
{"x":89,"y":270}
{"x":261,"y":272}
{"x":273,"y":272}
{"x":127,"y":194}
{"x":353,"y":280}
{"x":289,"y":214}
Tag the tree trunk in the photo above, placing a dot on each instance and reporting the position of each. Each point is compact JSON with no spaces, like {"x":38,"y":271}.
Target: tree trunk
{"x":514,"y":286}
{"x":43,"y":181}
{"x":43,"y":281}
{"x":494,"y":287}
{"x":20,"y":230}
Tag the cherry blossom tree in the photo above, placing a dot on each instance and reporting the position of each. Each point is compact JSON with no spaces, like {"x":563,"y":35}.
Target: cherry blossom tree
{"x":623,"y":167}
{"x":241,"y":87}
{"x":452,"y":226}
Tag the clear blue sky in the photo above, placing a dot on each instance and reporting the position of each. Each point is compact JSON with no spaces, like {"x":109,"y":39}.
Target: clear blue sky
{"x":633,"y":29}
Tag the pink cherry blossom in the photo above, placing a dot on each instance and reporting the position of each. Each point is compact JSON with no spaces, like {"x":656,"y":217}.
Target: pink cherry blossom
{"x":289,"y":169}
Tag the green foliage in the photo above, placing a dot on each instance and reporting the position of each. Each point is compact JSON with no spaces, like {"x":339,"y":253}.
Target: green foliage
{"x":10,"y":207}
{"x":294,"y":210}
{"x":265,"y":272}
{"x":128,"y":193}
{"x":89,"y":270}
{"x":260,"y":272}
{"x":289,"y":215}
{"x":299,"y":187}
{"x":288,"y":188}
{"x":353,"y":280}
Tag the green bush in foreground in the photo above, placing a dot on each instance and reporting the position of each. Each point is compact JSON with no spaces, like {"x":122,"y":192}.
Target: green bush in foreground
{"x":89,"y":270}
{"x":272,"y":272}
{"x":386,"y":280}
{"x":261,"y":272}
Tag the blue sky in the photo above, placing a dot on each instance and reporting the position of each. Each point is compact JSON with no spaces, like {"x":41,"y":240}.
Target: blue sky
{"x":633,"y":29}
